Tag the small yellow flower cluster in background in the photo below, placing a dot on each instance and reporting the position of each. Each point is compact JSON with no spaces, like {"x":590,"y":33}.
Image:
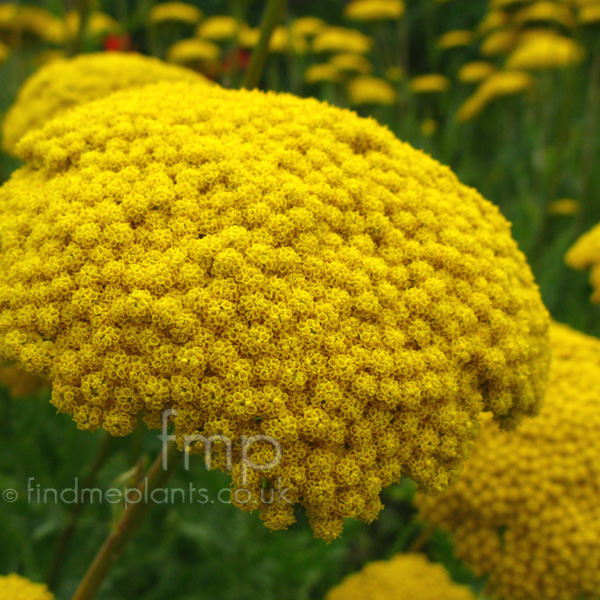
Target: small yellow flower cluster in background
{"x":98,"y":24}
{"x":62,"y":84}
{"x":218,"y":28}
{"x":4,"y":52}
{"x":19,"y":383}
{"x":173,"y":12}
{"x":497,"y":85}
{"x":267,"y":264}
{"x":374,"y":10}
{"x":193,"y":51}
{"x":525,"y":512}
{"x":565,"y":206}
{"x":589,"y":14}
{"x":307,"y":26}
{"x":371,"y":90}
{"x":585,"y":254}
{"x":476,"y":71}
{"x":455,"y":39}
{"x":340,"y":39}
{"x":403,"y":577}
{"x":545,"y":51}
{"x":355,"y":63}
{"x":430,"y":83}
{"x":35,"y":21}
{"x":15,"y":587}
{"x":321,"y":73}
{"x":545,"y":11}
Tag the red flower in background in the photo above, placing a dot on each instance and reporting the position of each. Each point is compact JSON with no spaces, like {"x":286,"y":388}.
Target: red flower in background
{"x":117,"y":42}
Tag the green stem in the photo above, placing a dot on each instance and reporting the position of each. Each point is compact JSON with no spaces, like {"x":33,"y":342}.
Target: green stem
{"x":122,"y":534}
{"x":83,"y":10}
{"x":64,"y":541}
{"x":272,"y":17}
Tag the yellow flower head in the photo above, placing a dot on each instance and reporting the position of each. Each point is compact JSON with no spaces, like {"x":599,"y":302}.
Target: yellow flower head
{"x":285,"y":40}
{"x":371,"y":90}
{"x":308,"y":26}
{"x":585,"y":254}
{"x":429,"y":127}
{"x":525,"y":511}
{"x":352,"y":63}
{"x":20,"y":384}
{"x":32,"y":20}
{"x":169,"y":12}
{"x":589,"y":14}
{"x":339,"y":39}
{"x":541,"y":52}
{"x":455,"y":39}
{"x":15,"y":587}
{"x":374,"y":10}
{"x":497,"y":85}
{"x":322,"y":72}
{"x":268,"y":265}
{"x":4,"y":52}
{"x":98,"y":24}
{"x":394,"y":74}
{"x":193,"y":51}
{"x":476,"y":71}
{"x":501,"y":41}
{"x":566,"y":206}
{"x":431,"y":83}
{"x":403,"y":577}
{"x":545,"y":11}
{"x":62,"y":84}
{"x":219,"y":28}
{"x":493,"y":20}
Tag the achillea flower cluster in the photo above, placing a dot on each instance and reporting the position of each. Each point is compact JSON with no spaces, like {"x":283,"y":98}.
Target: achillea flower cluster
{"x":15,"y":587}
{"x":553,"y":12}
{"x":4,"y":52}
{"x":371,"y":90}
{"x":374,"y":10}
{"x":589,"y":14}
{"x":497,"y":85}
{"x":340,"y":39}
{"x":585,"y":254}
{"x":498,"y":42}
{"x":33,"y":21}
{"x":476,"y":71}
{"x":269,"y":265}
{"x":564,"y":206}
{"x":429,"y":84}
{"x":525,"y":511}
{"x":173,"y":12}
{"x":322,"y":72}
{"x":218,"y":28}
{"x":98,"y":24}
{"x":308,"y":26}
{"x":193,"y":51}
{"x":63,"y":84}
{"x":455,"y":39}
{"x":352,"y":63}
{"x":404,"y":577}
{"x":19,"y":383}
{"x":541,"y":52}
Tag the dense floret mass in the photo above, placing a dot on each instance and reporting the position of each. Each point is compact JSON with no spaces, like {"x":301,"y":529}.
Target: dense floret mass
{"x":63,"y":84}
{"x":525,"y":512}
{"x":15,"y":587}
{"x":269,"y":265}
{"x":404,"y":577}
